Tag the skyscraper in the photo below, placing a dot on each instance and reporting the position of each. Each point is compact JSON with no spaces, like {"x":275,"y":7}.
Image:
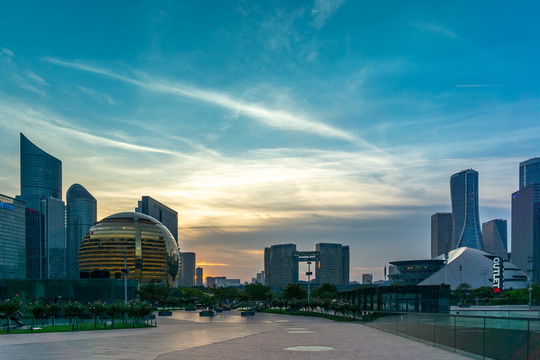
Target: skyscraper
{"x":187,"y":269}
{"x":41,"y":190}
{"x":199,"y":276}
{"x":280,"y":265}
{"x":41,"y":173}
{"x":81,"y":211}
{"x":333,"y":264}
{"x":529,"y":172}
{"x":464,"y":194}
{"x":161,"y":212}
{"x":12,"y":238}
{"x":494,"y":238}
{"x":526,"y":229}
{"x":441,"y":233}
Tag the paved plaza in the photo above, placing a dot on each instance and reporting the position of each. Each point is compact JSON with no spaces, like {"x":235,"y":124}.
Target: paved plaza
{"x":185,"y":335}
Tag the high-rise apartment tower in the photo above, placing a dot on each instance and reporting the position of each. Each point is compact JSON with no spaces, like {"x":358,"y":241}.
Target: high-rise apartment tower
{"x":529,"y":172}
{"x":81,"y":211}
{"x":464,"y":194}
{"x":41,"y":190}
{"x":494,"y":238}
{"x":441,"y":233}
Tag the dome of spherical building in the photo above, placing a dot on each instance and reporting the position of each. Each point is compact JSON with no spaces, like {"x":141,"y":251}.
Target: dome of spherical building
{"x":151,"y":253}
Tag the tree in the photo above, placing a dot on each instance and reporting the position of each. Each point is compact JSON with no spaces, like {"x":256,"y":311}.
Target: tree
{"x":294,"y":291}
{"x":258,"y":292}
{"x":326,"y":291}
{"x":462,"y":291}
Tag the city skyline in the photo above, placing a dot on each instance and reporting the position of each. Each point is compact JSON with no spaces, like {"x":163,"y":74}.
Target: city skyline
{"x":286,"y":123}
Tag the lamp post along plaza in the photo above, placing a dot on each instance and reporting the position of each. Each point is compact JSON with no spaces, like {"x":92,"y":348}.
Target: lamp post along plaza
{"x":308,"y":273}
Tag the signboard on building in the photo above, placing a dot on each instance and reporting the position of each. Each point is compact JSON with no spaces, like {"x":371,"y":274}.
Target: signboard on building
{"x":498,"y":275}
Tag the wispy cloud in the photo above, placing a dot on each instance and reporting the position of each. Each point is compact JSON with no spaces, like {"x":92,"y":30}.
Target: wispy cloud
{"x":7,"y":52}
{"x":277,"y":118}
{"x":479,"y":85}
{"x":96,"y":95}
{"x":439,"y":29}
{"x":322,"y":10}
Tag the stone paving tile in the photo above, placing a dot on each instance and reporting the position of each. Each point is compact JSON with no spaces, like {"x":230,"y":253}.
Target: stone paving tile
{"x":348,"y":340}
{"x":227,"y":336}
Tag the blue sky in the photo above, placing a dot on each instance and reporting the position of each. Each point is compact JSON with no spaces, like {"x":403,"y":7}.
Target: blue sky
{"x":273,"y":122}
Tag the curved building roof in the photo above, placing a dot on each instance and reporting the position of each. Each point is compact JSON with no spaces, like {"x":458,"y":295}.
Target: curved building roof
{"x":41,"y":173}
{"x":78,"y":191}
{"x":145,"y":244}
{"x":476,"y":269}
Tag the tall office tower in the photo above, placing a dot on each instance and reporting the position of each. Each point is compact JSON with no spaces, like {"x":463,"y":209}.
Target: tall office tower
{"x":161,"y":212}
{"x":187,"y":269}
{"x":441,"y":233}
{"x":260,"y":277}
{"x":41,"y":190}
{"x":529,"y":172}
{"x":81,"y":209}
{"x":526,"y":229}
{"x":346,"y":264}
{"x":12,"y":238}
{"x":367,"y":279}
{"x":280,"y":265}
{"x":199,"y":276}
{"x":464,"y":194}
{"x":494,"y":237}
{"x":333,"y":264}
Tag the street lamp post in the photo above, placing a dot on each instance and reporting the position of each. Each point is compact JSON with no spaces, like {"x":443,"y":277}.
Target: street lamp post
{"x":308,"y":273}
{"x":125,"y":271}
{"x":461,"y":292}
{"x":530,"y":279}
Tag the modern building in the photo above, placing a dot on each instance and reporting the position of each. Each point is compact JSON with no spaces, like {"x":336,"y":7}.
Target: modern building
{"x":333,"y":264}
{"x":464,"y":265}
{"x":529,"y":172}
{"x":41,"y":190}
{"x":441,"y":233}
{"x":367,"y":279}
{"x":41,"y":173}
{"x":187,"y":269}
{"x":199,"y":276}
{"x":81,"y":214}
{"x":12,"y":238}
{"x":526,"y":229}
{"x":224,"y":282}
{"x":211,"y":281}
{"x":260,"y":278}
{"x":280,"y":265}
{"x":494,"y":238}
{"x":141,"y":242}
{"x":464,"y":194}
{"x":160,"y":212}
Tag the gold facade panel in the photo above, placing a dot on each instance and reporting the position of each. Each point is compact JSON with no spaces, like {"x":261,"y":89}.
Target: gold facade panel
{"x":151,"y":251}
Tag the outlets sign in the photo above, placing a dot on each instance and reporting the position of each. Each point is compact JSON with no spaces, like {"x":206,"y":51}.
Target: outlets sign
{"x":498,"y":272}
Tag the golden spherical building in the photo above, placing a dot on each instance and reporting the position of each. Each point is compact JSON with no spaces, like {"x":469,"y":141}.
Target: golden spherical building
{"x":151,"y":252}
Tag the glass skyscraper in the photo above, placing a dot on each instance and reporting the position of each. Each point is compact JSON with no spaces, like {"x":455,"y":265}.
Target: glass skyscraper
{"x":441,"y":233}
{"x":161,"y":212}
{"x":41,"y":190}
{"x":333,"y":264}
{"x":464,"y":194}
{"x":81,"y":208}
{"x":526,"y":229}
{"x":280,"y":265}
{"x":529,"y":172}
{"x":12,"y":238}
{"x":495,"y":238}
{"x":187,"y":269}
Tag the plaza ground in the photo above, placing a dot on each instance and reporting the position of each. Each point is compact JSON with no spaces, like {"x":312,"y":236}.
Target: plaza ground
{"x":185,"y":335}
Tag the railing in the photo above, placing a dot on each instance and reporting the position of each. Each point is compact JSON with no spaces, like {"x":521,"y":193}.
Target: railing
{"x":484,"y":336}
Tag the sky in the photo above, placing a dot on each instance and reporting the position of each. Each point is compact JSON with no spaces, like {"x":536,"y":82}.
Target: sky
{"x":270,"y":122}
